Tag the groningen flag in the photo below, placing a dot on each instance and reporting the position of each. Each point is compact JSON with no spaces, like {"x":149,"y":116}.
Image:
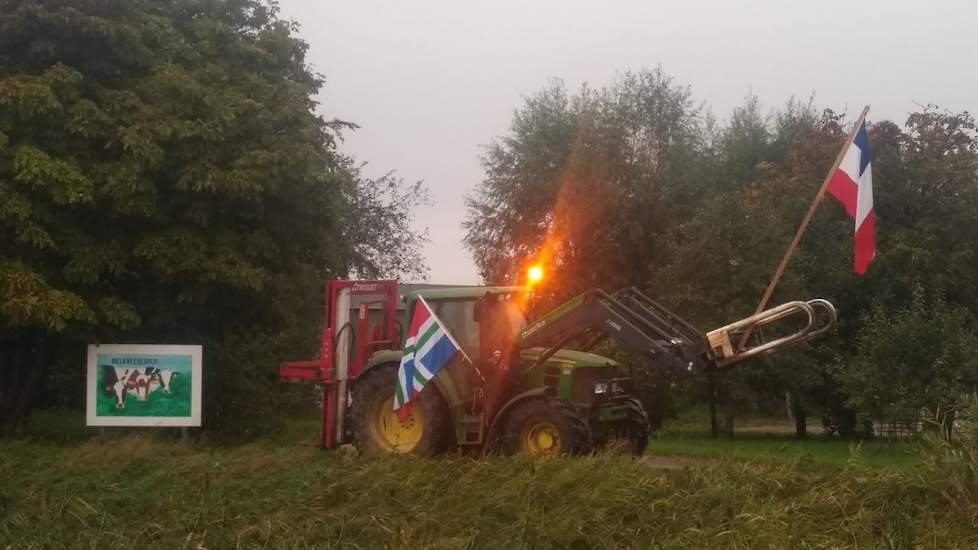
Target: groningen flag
{"x":427,"y":349}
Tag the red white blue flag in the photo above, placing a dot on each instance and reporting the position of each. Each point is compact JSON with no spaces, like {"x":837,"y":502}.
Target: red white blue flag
{"x":427,"y":348}
{"x":852,"y":184}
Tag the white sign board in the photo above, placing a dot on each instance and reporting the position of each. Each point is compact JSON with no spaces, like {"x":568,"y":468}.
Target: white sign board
{"x":143,"y":385}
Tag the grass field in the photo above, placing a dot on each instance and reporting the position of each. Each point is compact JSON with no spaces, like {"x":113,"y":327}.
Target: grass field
{"x":755,"y":446}
{"x":67,"y":490}
{"x":783,"y":448}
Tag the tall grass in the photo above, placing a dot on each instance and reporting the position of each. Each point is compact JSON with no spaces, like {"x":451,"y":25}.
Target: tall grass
{"x":951,"y":460}
{"x":142,"y":492}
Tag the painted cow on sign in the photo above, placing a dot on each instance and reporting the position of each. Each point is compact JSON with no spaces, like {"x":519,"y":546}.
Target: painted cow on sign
{"x":161,"y":377}
{"x":117,"y":382}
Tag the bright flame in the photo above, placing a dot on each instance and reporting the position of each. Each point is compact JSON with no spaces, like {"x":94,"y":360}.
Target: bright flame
{"x":534,"y":274}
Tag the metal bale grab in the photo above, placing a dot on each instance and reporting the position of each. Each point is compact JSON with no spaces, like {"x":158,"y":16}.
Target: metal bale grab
{"x":733,"y":343}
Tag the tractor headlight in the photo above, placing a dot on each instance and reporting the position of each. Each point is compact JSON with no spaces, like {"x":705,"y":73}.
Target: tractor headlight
{"x":616,"y":387}
{"x":600,"y":387}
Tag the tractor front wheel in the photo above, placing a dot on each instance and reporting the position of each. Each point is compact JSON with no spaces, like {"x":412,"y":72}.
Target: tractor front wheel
{"x":546,"y":427}
{"x":377,"y":427}
{"x":634,"y":428}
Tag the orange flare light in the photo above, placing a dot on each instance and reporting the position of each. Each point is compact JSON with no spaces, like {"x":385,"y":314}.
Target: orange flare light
{"x":534,"y":274}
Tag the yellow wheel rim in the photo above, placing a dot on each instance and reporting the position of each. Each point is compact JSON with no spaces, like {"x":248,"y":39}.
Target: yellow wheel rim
{"x":542,"y":439}
{"x":391,"y":433}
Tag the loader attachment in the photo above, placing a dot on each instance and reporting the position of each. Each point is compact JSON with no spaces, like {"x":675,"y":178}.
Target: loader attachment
{"x":725,"y":342}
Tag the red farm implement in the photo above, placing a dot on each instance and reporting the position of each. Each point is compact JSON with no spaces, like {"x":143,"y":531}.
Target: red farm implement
{"x":346,"y":343}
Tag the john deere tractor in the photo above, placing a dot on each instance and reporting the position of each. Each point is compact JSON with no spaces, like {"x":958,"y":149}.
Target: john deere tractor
{"x":519,"y":387}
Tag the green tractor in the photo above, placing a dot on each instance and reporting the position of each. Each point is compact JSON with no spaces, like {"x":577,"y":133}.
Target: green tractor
{"x":519,"y":387}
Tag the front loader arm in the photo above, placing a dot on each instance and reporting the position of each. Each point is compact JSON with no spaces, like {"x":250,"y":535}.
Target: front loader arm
{"x":638,"y":323}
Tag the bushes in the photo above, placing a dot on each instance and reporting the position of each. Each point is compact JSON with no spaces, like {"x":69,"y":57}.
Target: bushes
{"x":922,"y":354}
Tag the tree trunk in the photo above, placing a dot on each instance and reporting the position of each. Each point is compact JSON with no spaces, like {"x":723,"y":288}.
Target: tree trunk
{"x":729,"y":425}
{"x":800,"y":415}
{"x":712,"y":389}
{"x":13,"y":375}
{"x":23,"y":362}
{"x":846,"y":420}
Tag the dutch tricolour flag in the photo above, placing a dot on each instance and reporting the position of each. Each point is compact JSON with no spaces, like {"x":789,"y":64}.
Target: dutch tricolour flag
{"x":427,"y":349}
{"x":852,"y":183}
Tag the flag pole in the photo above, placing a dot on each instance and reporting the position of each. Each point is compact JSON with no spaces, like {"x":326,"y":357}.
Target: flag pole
{"x":805,"y":221}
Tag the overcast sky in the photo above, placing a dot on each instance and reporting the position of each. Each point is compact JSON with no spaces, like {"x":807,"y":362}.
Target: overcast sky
{"x":431,"y":82}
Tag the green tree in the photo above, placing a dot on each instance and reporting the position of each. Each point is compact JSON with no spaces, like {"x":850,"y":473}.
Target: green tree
{"x":920,"y":355}
{"x":589,"y":183}
{"x":163,"y":178}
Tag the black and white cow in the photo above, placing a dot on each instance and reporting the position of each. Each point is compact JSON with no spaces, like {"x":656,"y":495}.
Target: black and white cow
{"x":117,"y":382}
{"x":162,"y":377}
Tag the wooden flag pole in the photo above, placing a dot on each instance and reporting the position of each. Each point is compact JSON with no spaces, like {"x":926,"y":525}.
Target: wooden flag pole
{"x":805,"y":221}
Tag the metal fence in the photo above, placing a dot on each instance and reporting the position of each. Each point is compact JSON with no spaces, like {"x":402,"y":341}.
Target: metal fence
{"x":896,"y":423}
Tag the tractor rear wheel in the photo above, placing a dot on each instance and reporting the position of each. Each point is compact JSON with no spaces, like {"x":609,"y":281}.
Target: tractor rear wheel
{"x":634,"y":428}
{"x":377,"y":427}
{"x":546,"y":427}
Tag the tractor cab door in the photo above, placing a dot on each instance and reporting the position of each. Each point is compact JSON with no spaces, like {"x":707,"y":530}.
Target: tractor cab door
{"x":499,"y":323}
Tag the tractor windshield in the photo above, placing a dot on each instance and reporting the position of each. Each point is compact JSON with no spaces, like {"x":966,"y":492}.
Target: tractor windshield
{"x":516,"y":318}
{"x":459,"y":318}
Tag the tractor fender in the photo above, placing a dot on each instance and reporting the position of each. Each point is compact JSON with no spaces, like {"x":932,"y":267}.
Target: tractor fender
{"x":497,"y":422}
{"x":382,"y":357}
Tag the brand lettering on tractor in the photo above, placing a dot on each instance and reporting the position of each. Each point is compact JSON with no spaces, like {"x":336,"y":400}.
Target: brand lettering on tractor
{"x":361,"y":287}
{"x":534,"y":328}
{"x":614,"y":325}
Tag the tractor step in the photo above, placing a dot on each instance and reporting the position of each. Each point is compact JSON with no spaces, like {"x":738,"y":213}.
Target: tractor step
{"x":470,"y":429}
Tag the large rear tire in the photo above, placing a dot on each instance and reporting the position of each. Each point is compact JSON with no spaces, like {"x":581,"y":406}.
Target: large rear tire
{"x":546,"y":427}
{"x":377,"y":428}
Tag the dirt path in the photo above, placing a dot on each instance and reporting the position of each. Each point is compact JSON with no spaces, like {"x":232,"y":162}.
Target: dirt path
{"x":672,"y":462}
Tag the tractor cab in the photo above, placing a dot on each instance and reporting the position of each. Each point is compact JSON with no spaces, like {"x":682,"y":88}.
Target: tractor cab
{"x":486,"y":323}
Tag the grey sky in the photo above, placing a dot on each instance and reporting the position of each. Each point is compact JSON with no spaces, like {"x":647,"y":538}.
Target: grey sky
{"x":431,"y":82}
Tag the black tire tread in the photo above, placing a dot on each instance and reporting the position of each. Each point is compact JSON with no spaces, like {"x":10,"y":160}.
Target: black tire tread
{"x":637,"y":426}
{"x":582,"y":432}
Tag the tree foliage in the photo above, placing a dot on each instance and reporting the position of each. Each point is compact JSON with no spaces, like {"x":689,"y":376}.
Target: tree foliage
{"x":163,"y":177}
{"x":589,"y":182}
{"x":923,"y":354}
